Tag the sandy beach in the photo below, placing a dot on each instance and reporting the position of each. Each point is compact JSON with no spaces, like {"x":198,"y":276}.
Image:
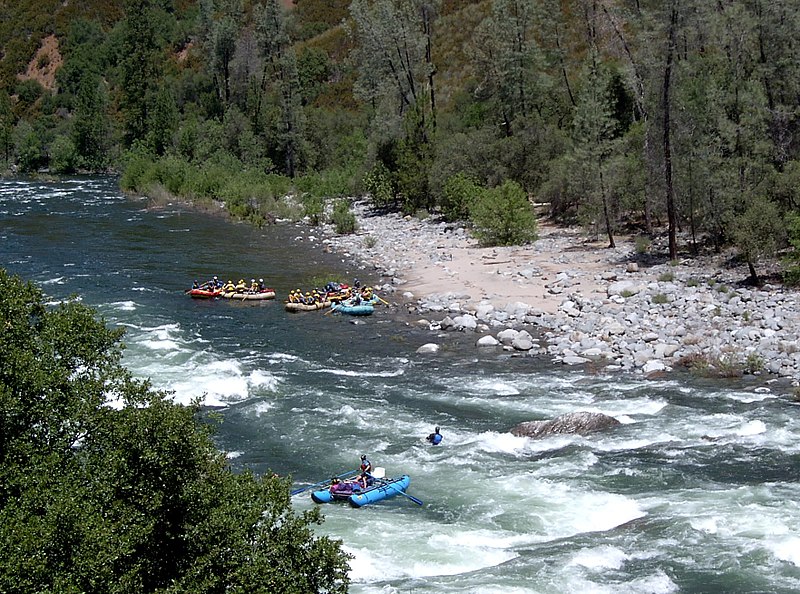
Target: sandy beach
{"x":426,"y":258}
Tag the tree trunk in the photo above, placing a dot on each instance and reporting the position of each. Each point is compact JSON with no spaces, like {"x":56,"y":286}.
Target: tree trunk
{"x":753,"y":274}
{"x":671,"y":217}
{"x":609,"y":229}
{"x":426,"y":20}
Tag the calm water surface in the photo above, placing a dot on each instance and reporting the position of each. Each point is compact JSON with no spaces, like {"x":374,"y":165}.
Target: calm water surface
{"x":696,"y":492}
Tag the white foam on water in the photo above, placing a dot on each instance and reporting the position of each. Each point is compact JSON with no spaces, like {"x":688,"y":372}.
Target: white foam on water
{"x":491,"y":441}
{"x":59,"y":280}
{"x":605,"y":557}
{"x":786,"y":549}
{"x":752,"y":428}
{"x":124,"y":305}
{"x":263,"y":379}
{"x":497,"y":387}
{"x":568,"y":510}
{"x":276,"y":358}
{"x":373,"y":564}
{"x":352,"y":373}
{"x":233,"y":455}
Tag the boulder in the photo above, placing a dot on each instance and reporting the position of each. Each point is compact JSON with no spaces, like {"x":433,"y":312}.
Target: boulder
{"x":576,"y":423}
{"x":487,"y":340}
{"x":428,"y":348}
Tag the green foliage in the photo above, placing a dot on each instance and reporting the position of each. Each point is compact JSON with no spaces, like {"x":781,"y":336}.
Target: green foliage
{"x":314,"y":209}
{"x":29,"y":91}
{"x":63,"y":155}
{"x":660,"y":299}
{"x":792,"y":260}
{"x":379,"y":184}
{"x":344,"y":220}
{"x":29,"y":148}
{"x":135,"y":497}
{"x":642,"y":244}
{"x":758,"y":232}
{"x":459,"y":193}
{"x":330,"y":183}
{"x":137,"y":164}
{"x":90,"y":125}
{"x":666,"y":277}
{"x":753,"y":363}
{"x":162,"y":122}
{"x":504,"y":216}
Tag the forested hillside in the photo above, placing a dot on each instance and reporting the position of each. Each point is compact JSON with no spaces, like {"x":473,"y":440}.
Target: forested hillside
{"x":645,"y":114}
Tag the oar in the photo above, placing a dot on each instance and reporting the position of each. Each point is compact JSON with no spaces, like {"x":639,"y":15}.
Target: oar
{"x":392,"y":486}
{"x":381,"y":300}
{"x":344,"y":474}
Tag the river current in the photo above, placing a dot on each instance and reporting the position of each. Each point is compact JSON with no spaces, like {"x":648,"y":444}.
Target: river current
{"x":697,"y":491}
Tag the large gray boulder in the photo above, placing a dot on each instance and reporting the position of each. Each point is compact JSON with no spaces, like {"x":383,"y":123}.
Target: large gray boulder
{"x":580,"y":423}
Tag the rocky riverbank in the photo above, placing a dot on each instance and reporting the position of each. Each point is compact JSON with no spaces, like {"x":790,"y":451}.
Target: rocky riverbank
{"x":578,"y":301}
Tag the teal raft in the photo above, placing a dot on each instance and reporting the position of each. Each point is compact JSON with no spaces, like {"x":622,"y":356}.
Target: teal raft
{"x":378,"y":490}
{"x":349,"y":308}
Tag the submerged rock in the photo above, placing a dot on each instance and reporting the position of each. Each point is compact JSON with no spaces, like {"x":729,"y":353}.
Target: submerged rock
{"x":579,"y":423}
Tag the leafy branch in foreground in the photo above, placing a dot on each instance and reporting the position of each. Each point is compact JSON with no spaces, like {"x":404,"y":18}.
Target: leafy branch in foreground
{"x":130,"y":497}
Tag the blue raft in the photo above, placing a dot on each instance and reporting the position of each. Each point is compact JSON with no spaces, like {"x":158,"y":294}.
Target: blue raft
{"x":363,"y":309}
{"x":379,"y":490}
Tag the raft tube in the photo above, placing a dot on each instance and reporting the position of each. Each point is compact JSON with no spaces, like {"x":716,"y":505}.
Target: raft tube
{"x":354,"y":310}
{"x":380,"y":489}
{"x":266,"y":294}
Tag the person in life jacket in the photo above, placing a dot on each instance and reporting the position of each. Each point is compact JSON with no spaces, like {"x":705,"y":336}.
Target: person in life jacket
{"x":435,"y":438}
{"x":341,"y":487}
{"x":229,"y":287}
{"x":366,"y":469}
{"x":261,"y":285}
{"x":241,"y":286}
{"x":253,"y":286}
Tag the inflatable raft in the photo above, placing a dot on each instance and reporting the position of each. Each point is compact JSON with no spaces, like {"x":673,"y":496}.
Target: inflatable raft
{"x":307,"y":307}
{"x":380,"y":489}
{"x":265,"y":294}
{"x":349,"y":308}
{"x":204,"y":293}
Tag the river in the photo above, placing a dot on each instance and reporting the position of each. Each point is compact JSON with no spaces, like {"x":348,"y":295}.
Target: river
{"x":697,"y":491}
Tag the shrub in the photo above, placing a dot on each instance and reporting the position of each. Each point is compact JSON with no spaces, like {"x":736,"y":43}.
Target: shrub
{"x":63,"y":156}
{"x":331,"y":183}
{"x":642,"y":244}
{"x":314,"y":209}
{"x":370,"y":241}
{"x":666,"y":277}
{"x":458,"y":194}
{"x":660,"y":299}
{"x":504,"y":216}
{"x":137,"y":164}
{"x":754,"y":363}
{"x":692,"y":282}
{"x":791,"y":274}
{"x":379,"y":184}
{"x":344,"y":221}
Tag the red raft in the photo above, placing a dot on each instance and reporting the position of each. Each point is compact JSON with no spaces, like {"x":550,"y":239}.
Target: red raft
{"x":205,"y":293}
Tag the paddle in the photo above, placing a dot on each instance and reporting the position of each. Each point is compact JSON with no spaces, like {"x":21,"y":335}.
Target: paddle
{"x":344,"y":474}
{"x":382,"y":301}
{"x":394,"y":488}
